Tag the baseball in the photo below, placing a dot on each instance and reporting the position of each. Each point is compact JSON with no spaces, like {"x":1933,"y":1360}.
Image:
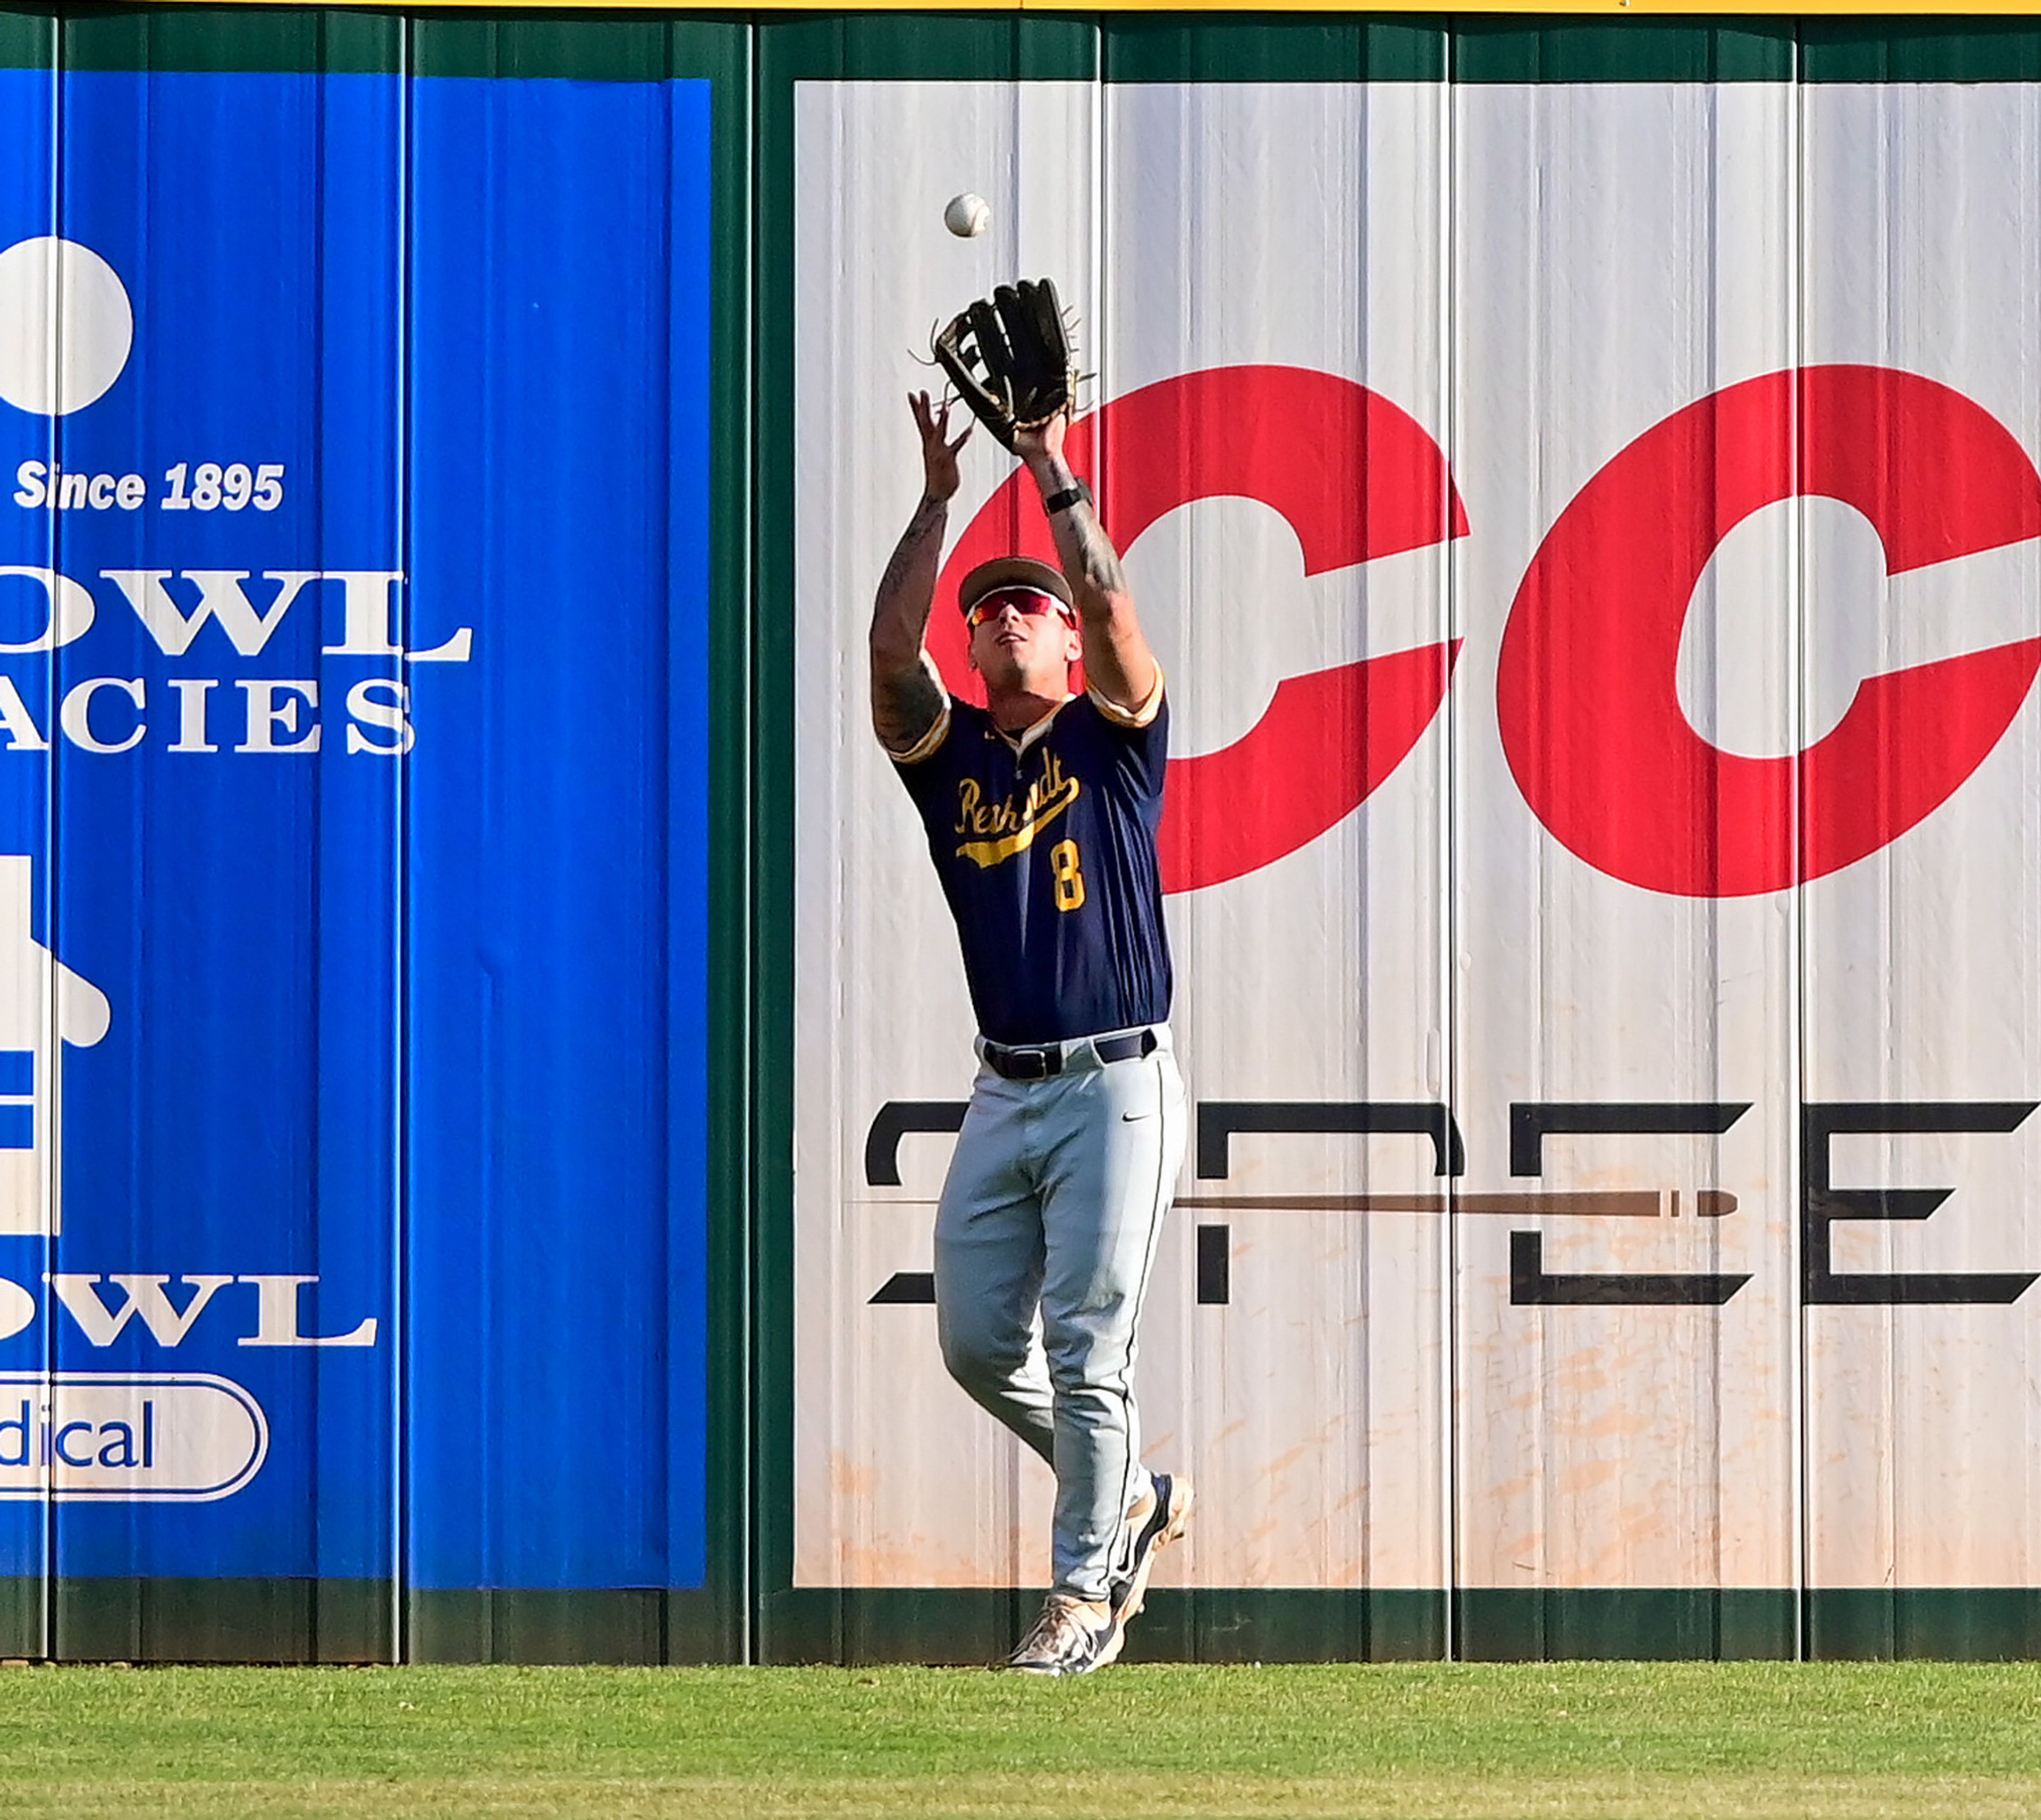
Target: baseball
{"x":967,"y":215}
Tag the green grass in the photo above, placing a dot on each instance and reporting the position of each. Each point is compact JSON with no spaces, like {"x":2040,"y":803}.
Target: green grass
{"x":1654,"y":1740}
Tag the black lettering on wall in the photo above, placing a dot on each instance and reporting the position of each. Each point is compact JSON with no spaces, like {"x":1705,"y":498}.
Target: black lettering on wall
{"x":1530,"y":1121}
{"x":1822,"y":1205}
{"x":1530,"y":1287}
{"x":893,"y":1122}
{"x":1215,"y":1271}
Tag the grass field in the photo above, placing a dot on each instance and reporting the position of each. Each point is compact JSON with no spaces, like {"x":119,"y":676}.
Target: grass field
{"x":1603,"y":1739}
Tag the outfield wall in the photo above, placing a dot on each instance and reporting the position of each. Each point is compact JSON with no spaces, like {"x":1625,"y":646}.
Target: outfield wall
{"x":1580,"y":479}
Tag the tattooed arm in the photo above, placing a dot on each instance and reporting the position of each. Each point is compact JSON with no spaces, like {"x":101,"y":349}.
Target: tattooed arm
{"x":906,"y":700}
{"x":1118,"y":664}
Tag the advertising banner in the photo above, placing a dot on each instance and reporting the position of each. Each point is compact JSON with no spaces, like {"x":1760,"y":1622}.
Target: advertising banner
{"x":1592,"y":534}
{"x":354,"y":572}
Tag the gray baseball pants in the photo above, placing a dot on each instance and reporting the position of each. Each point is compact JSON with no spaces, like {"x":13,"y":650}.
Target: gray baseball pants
{"x":1044,"y":1239}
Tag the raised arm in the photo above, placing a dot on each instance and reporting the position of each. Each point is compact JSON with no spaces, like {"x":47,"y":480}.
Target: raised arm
{"x":1118,"y":663}
{"x":906,"y":701}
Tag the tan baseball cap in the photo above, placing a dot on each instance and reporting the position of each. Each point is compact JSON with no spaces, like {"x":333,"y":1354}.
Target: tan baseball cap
{"x":1013,"y":572}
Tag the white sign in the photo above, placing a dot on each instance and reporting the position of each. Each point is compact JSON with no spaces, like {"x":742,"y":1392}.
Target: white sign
{"x":145,"y":1438}
{"x":1592,"y":536}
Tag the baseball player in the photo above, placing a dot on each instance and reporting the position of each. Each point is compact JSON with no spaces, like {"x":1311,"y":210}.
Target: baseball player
{"x":1041,"y":810}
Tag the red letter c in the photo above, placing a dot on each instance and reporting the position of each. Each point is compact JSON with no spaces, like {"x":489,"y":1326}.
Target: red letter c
{"x":1586,"y":691}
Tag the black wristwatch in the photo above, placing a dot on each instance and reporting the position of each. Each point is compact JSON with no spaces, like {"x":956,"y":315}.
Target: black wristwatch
{"x":1062,"y":501}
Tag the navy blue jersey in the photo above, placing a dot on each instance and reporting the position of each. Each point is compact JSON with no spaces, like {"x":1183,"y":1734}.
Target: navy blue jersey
{"x":1045,"y":843}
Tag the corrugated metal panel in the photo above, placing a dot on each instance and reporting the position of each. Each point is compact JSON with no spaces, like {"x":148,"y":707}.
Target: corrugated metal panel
{"x":1696,"y":336}
{"x":27,"y":194}
{"x":1923,"y":1047}
{"x":1625,"y":1383}
{"x":821,"y":271}
{"x":1314,"y":509}
{"x":241,"y":1119}
{"x":366,"y":795}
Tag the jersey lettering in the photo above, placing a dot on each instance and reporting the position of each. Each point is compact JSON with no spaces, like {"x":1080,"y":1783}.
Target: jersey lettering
{"x":1012,"y":825}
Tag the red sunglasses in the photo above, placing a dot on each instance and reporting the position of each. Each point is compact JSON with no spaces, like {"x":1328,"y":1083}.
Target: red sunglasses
{"x":1027,"y":600}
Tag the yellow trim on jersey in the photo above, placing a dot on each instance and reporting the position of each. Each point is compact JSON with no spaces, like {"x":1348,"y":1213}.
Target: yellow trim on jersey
{"x":1138,"y":716}
{"x":930,"y":741}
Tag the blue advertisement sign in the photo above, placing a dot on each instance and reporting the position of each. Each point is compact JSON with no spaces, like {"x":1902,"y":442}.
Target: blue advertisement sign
{"x":353,"y":727}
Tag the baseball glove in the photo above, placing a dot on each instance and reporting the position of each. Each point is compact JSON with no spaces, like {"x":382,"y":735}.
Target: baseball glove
{"x":1019,"y":340}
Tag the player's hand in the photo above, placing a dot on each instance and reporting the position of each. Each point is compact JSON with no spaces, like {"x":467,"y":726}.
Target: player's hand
{"x":1042,"y":443}
{"x":941,"y":477}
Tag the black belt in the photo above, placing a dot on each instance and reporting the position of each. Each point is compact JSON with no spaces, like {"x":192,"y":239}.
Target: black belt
{"x":1039,"y":1061}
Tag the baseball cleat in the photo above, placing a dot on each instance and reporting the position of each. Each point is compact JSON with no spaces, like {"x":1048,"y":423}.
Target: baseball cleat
{"x":1072,"y":1636}
{"x":1157,"y":1521}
